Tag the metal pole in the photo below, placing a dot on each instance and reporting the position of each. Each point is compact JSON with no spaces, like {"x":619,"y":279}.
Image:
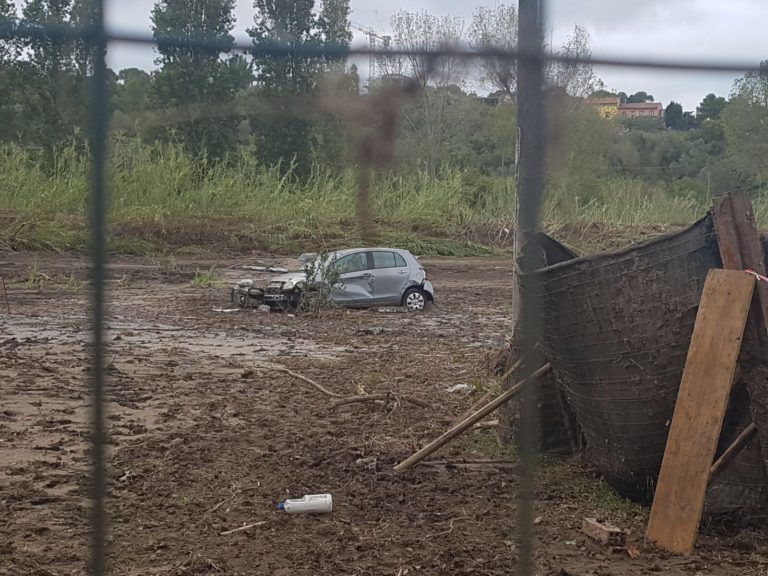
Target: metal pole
{"x":531,"y":151}
{"x":99,"y":120}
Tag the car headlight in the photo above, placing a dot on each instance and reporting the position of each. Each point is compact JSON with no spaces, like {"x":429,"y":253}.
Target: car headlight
{"x":275,"y":284}
{"x":291,"y":284}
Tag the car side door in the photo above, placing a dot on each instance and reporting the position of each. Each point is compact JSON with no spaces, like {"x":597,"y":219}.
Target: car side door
{"x":355,"y":286}
{"x":390,"y":277}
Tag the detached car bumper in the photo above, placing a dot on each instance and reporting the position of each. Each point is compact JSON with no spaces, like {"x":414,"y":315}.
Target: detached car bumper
{"x":247,"y":297}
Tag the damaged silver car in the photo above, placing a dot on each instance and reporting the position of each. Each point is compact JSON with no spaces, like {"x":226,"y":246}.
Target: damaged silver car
{"x":366,"y":277}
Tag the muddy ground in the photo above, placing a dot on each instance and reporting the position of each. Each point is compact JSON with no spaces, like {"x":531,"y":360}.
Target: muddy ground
{"x":201,"y":441}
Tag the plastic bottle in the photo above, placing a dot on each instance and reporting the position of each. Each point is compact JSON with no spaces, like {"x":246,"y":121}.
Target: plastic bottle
{"x":309,"y":504}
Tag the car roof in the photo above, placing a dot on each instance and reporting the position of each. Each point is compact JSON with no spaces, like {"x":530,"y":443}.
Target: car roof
{"x":346,"y":251}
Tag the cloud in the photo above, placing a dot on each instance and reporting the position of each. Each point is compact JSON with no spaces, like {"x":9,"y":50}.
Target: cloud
{"x":684,"y":29}
{"x":605,"y":16}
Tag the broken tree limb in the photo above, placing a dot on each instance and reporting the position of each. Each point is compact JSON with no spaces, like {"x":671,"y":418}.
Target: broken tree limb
{"x":732,"y":451}
{"x":298,"y":376}
{"x":460,"y":427}
{"x":343,"y":400}
{"x":470,"y":463}
{"x":377,"y":398}
{"x":242,"y":528}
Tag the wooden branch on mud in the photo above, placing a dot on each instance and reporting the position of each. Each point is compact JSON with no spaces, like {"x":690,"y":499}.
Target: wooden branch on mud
{"x":298,"y":376}
{"x":343,"y":400}
{"x":243,"y":528}
{"x":462,"y":426}
{"x":378,"y":399}
{"x":471,"y":463}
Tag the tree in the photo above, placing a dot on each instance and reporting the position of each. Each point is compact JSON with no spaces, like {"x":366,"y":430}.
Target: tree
{"x":603,"y":93}
{"x":192,"y":78}
{"x":421,"y":32}
{"x":7,"y":18}
{"x":133,"y":90}
{"x":689,"y":121}
{"x":333,"y":25}
{"x":639,"y":98}
{"x":576,"y":78}
{"x":496,"y":28}
{"x":746,"y":125}
{"x":710,"y":108}
{"x":482,"y":138}
{"x":582,"y":148}
{"x":8,"y":74}
{"x":290,"y":25}
{"x":53,"y":72}
{"x":673,"y":115}
{"x":418,"y":33}
{"x":286,"y":139}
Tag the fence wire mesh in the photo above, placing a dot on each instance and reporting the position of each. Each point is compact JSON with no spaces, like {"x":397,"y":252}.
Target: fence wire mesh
{"x":375,"y":123}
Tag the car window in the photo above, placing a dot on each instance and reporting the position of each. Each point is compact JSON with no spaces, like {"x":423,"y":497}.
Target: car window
{"x":387,"y":260}
{"x":352,"y":263}
{"x":383,"y":259}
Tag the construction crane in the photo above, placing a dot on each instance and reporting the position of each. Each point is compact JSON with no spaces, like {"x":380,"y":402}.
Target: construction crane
{"x":375,"y":42}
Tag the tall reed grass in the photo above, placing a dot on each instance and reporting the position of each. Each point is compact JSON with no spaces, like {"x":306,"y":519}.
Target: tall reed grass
{"x":161,"y":184}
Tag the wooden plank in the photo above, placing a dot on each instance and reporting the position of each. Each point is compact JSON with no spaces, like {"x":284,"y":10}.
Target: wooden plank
{"x":740,"y":249}
{"x":701,"y":403}
{"x":732,"y":451}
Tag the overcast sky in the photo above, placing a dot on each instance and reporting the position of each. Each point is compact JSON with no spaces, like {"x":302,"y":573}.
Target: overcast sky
{"x":731,"y":30}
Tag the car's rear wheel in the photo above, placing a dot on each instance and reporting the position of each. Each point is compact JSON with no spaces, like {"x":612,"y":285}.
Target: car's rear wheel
{"x":414,"y":300}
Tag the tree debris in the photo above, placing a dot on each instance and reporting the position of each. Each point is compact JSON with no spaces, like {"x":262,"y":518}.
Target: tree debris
{"x":243,"y":528}
{"x":298,"y":376}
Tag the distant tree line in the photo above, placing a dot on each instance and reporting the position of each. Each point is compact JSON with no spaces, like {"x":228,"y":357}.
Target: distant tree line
{"x":206,"y":99}
{"x":300,"y":112}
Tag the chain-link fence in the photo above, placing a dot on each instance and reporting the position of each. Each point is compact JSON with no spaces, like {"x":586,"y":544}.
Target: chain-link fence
{"x":411,"y":71}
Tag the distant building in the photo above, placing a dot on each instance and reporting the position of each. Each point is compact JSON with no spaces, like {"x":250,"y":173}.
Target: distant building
{"x":642,"y":110}
{"x":607,"y":107}
{"x":400,"y":80}
{"x":494,"y":100}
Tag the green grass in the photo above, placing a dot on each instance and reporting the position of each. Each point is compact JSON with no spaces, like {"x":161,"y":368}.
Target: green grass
{"x":158,"y":190}
{"x":37,"y":233}
{"x":592,"y":492}
{"x":207,"y":279}
{"x":487,"y":443}
{"x":37,"y":280}
{"x":553,"y":473}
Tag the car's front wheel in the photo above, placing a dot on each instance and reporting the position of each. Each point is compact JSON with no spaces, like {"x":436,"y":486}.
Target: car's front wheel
{"x":414,"y":300}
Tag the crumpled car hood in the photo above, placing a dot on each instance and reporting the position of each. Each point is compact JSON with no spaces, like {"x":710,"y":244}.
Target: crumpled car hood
{"x":295,"y":276}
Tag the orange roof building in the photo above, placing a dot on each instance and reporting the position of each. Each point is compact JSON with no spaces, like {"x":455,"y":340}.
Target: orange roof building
{"x":642,"y":110}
